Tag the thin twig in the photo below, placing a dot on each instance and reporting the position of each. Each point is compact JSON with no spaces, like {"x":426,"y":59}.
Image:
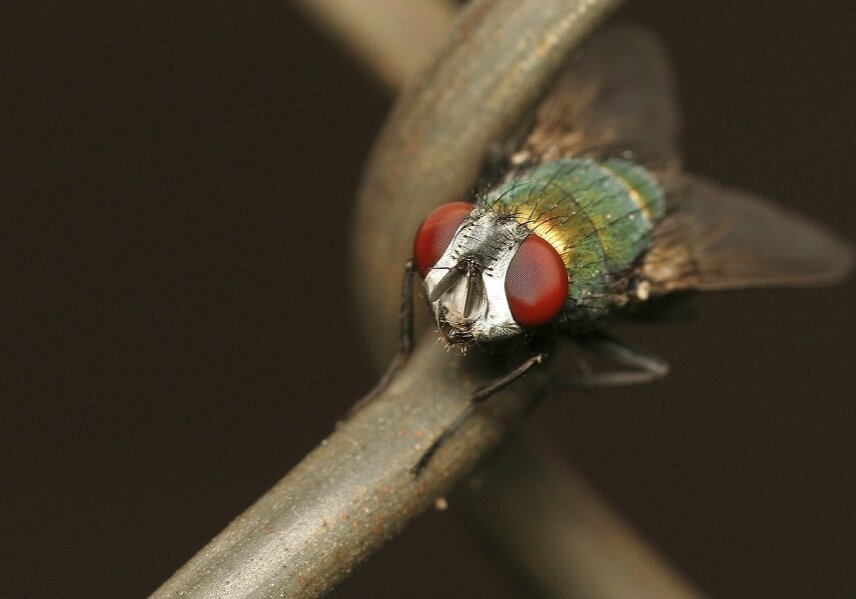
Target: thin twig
{"x":355,"y":491}
{"x":556,"y":534}
{"x":393,"y":37}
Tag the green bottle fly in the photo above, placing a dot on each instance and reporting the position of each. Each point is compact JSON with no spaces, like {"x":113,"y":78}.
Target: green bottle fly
{"x":594,"y":217}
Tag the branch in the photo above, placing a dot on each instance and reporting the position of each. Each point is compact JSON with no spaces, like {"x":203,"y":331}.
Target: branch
{"x":392,"y":36}
{"x":555,"y":532}
{"x":354,"y":491}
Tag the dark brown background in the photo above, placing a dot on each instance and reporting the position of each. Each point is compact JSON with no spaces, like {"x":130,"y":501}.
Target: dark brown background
{"x":177,"y":190}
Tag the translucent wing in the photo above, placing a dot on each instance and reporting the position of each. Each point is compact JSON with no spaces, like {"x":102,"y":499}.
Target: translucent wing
{"x":719,"y":238}
{"x":615,"y":99}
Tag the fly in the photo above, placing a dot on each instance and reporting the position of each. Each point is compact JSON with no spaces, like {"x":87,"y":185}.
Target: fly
{"x":593,"y":219}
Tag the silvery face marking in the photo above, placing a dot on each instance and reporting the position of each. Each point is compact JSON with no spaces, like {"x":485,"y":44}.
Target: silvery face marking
{"x":466,"y":288}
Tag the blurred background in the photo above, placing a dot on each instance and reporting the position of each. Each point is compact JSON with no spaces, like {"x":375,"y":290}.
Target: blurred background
{"x":176,"y":332}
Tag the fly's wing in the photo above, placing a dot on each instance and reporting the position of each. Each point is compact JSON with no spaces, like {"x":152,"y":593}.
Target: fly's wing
{"x":718,"y":238}
{"x":615,"y":99}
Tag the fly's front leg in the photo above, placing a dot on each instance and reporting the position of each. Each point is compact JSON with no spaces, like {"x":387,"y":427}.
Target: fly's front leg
{"x":641,"y":366}
{"x":477,"y":398}
{"x":405,"y":340}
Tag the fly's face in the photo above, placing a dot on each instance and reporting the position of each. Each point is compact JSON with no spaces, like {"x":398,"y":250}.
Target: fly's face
{"x":487,"y":277}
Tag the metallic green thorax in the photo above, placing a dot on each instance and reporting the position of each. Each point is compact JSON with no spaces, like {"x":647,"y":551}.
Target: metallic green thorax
{"x":598,"y":215}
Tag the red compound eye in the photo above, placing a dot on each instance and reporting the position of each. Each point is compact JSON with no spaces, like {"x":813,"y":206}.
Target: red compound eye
{"x":536,"y":283}
{"x":436,"y":232}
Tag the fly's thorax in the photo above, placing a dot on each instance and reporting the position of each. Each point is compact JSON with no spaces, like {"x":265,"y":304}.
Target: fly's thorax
{"x":466,"y":287}
{"x":599,"y":216}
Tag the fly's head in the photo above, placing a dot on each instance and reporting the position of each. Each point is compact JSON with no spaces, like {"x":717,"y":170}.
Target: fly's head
{"x":487,"y":277}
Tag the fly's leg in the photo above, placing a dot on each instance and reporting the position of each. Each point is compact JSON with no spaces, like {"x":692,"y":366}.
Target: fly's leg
{"x":405,"y":340}
{"x":474,"y":401}
{"x":405,"y":330}
{"x":641,"y":366}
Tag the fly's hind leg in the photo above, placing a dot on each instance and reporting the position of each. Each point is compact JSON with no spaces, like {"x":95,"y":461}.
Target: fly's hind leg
{"x":476,"y":399}
{"x":639,"y":366}
{"x":405,"y":340}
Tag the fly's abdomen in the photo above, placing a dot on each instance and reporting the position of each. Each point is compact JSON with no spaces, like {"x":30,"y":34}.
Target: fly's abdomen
{"x":597,"y":215}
